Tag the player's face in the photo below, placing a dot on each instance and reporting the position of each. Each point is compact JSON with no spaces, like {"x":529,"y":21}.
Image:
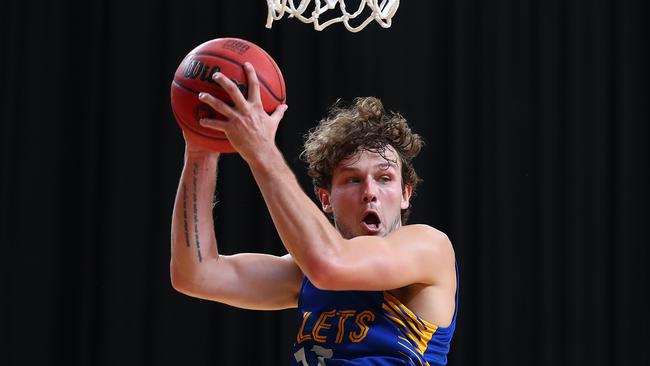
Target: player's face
{"x":366,"y":197}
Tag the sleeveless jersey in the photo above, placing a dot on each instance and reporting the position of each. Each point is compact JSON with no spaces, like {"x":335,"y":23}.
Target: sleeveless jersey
{"x":363,"y":328}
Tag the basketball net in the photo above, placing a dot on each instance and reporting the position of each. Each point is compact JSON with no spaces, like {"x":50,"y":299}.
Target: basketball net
{"x":382,"y":11}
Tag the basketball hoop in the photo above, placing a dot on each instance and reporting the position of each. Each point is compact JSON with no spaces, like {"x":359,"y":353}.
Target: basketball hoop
{"x":382,"y":11}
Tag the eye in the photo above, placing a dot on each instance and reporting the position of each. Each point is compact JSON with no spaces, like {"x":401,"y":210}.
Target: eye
{"x":352,"y":180}
{"x":385,"y":179}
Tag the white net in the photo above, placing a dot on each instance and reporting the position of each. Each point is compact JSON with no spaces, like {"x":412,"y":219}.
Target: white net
{"x":381,"y":11}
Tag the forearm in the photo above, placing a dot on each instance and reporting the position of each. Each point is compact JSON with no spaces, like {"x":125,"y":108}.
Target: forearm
{"x":305,"y":231}
{"x":193,"y":238}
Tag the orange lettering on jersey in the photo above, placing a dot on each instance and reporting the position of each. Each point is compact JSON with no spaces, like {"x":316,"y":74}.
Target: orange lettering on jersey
{"x":364,"y":316}
{"x":303,"y":337}
{"x":344,"y":314}
{"x":322,"y":324}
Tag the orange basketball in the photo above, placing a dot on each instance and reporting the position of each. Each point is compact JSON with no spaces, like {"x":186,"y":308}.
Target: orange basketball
{"x":194,"y":75}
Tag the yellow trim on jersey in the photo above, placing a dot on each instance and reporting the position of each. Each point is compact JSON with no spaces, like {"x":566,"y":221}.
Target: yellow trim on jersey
{"x":394,"y":300}
{"x":417,"y":356}
{"x":418,"y":331}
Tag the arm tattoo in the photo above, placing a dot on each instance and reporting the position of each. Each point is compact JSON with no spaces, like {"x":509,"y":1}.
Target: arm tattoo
{"x":196,"y":212}
{"x":187,"y":233}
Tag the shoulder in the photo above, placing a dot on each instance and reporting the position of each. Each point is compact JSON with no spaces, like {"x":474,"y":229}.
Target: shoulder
{"x":426,"y":236}
{"x":426,"y":230}
{"x":432,"y":247}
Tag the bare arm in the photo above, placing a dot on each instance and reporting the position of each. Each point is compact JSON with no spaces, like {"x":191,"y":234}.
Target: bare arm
{"x":251,"y":281}
{"x":410,"y":254}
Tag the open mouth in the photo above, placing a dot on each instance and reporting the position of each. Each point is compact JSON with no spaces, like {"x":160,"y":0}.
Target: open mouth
{"x":372,"y":221}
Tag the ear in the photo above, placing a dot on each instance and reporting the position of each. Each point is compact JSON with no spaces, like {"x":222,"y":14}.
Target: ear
{"x":324,"y":196}
{"x":406,"y":196}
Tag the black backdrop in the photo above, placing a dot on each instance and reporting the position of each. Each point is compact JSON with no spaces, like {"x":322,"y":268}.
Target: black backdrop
{"x":534,"y":114}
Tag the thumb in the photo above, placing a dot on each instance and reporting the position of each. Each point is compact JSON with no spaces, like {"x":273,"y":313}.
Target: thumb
{"x":279,"y":112}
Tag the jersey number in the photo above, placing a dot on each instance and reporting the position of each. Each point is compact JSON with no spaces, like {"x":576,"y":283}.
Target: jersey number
{"x":321,"y":353}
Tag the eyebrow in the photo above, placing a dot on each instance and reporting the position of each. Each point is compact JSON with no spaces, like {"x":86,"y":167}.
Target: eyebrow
{"x":381,"y":166}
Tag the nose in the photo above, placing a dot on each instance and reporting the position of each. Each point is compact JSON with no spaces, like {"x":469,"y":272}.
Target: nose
{"x":369,"y":191}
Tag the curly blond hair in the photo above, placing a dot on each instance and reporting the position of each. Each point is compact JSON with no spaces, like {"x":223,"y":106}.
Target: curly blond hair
{"x":364,"y":126}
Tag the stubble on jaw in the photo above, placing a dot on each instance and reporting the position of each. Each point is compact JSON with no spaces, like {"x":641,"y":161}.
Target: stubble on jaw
{"x":343,"y":231}
{"x":395,"y":225}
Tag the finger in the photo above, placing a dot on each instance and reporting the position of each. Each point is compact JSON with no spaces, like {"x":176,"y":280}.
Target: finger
{"x":217,"y":104}
{"x":231,"y":88}
{"x":253,"y":83}
{"x":214,"y":124}
{"x":278,"y":113}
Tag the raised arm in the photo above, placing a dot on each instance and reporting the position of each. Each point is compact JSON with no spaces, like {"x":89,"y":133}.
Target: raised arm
{"x":409,"y":255}
{"x":249,"y":280}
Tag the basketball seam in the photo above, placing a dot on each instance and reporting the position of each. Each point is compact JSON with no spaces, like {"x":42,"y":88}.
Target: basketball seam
{"x":278,"y":72}
{"x":279,"y":99}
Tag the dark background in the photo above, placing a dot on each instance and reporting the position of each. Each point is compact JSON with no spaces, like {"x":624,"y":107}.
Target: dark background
{"x":535,"y":116}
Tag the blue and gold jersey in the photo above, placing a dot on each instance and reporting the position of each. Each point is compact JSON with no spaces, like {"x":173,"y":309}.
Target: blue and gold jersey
{"x":363,"y":328}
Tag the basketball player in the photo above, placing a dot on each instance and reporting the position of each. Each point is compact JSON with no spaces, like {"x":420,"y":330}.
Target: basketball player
{"x":369,"y":290}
